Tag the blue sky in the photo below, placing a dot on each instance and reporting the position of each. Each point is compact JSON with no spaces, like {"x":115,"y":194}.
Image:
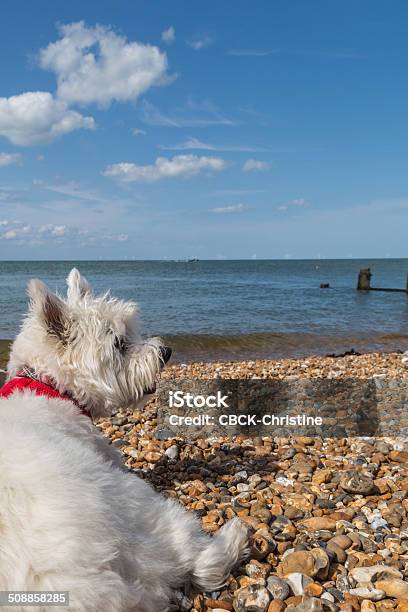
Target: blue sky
{"x":144,"y":130}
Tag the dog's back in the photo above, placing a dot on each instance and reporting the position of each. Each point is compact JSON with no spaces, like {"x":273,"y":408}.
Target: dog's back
{"x":59,"y":528}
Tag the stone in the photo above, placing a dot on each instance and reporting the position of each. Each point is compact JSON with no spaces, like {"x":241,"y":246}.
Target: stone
{"x":253,"y":598}
{"x":338,"y":552}
{"x":218,"y":604}
{"x":393,"y":587}
{"x":375,"y":572}
{"x":257,"y":570}
{"x":368,"y":592}
{"x":318,"y":522}
{"x":343,"y":541}
{"x":308,"y":562}
{"x":278,"y":588}
{"x":172,"y":452}
{"x":368,"y":606}
{"x":399,"y":456}
{"x":322,"y":476}
{"x":307,"y":604}
{"x":276,"y":606}
{"x":298,"y":582}
{"x":357,"y":483}
{"x":378,"y":522}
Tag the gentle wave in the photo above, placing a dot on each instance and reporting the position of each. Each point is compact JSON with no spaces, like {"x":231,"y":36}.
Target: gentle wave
{"x":269,"y":345}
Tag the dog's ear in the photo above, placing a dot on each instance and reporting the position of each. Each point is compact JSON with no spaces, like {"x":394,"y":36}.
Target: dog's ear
{"x":51,"y":311}
{"x":78,"y":286}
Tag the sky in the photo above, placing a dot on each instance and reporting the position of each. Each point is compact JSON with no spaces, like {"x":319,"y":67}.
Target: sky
{"x":216,"y":130}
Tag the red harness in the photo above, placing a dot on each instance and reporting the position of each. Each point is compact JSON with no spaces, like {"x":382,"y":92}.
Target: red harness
{"x":25,"y":380}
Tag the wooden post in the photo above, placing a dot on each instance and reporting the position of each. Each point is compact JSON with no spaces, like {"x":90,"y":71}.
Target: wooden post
{"x":364,"y":279}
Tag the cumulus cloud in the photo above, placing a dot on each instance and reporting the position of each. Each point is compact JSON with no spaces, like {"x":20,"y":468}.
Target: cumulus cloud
{"x":7,"y":159}
{"x":138,"y":132}
{"x":255,"y":165}
{"x":22,"y":233}
{"x":199,"y":42}
{"x":233,"y":208}
{"x":168,"y":36}
{"x":36,"y":117}
{"x":97,"y":65}
{"x":180,"y":165}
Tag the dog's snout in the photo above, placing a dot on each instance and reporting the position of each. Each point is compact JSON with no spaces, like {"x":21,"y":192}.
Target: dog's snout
{"x":165,"y":353}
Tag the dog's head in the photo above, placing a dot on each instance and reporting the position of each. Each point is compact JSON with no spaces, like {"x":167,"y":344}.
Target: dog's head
{"x":89,"y":345}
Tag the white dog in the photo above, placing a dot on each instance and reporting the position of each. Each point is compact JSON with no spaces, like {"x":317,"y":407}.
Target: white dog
{"x":71,"y":519}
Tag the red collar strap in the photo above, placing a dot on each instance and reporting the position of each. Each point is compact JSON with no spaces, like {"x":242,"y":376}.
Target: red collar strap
{"x":28,"y":379}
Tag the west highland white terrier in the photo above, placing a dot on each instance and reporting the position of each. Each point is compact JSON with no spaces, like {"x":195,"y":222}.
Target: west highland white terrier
{"x":71,"y":518}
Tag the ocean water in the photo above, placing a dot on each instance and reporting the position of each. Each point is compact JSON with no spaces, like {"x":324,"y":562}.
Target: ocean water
{"x":238,"y":309}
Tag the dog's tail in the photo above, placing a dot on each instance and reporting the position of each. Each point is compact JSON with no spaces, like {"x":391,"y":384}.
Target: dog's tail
{"x":225,"y":550}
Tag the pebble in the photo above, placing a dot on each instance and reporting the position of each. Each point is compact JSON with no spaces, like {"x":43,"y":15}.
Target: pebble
{"x":252,"y":598}
{"x":328,"y":517}
{"x":278,"y":588}
{"x":358,"y":483}
{"x":368,"y":592}
{"x":298,"y":582}
{"x":393,"y":587}
{"x":172,"y":452}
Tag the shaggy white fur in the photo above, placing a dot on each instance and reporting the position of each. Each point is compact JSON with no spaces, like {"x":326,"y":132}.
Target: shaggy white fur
{"x":71,"y":519}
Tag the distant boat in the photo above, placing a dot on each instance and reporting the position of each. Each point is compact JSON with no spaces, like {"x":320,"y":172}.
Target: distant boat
{"x":193,"y":260}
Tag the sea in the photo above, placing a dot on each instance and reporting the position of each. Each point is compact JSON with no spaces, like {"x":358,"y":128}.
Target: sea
{"x":229,"y":310}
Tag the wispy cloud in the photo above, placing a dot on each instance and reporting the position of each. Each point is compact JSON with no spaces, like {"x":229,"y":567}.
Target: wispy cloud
{"x":295,"y":52}
{"x":233,"y":208}
{"x":163,"y":168}
{"x":138,"y":132}
{"x":256,"y":165}
{"x":253,"y":52}
{"x":237,"y":192}
{"x":11,"y":195}
{"x":200,"y":41}
{"x":292,"y":204}
{"x":168,"y":36}
{"x":192,"y":114}
{"x":195,"y":144}
{"x":7,"y":159}
{"x":70,"y":189}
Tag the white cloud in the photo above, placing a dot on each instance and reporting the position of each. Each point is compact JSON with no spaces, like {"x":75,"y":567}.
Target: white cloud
{"x":296,"y":203}
{"x":97,"y":65}
{"x":36,"y":117}
{"x":21,"y":233}
{"x":138,"y":132}
{"x":233,"y":208}
{"x":253,"y":52}
{"x":53,"y":230}
{"x":70,"y":189}
{"x":168,"y":36}
{"x":200,"y":42}
{"x":180,"y":165}
{"x":192,"y":144}
{"x":192,"y":114}
{"x":255,"y":164}
{"x":7,"y":159}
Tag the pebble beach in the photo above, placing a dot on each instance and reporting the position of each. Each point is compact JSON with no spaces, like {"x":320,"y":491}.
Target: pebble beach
{"x":328,"y":518}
